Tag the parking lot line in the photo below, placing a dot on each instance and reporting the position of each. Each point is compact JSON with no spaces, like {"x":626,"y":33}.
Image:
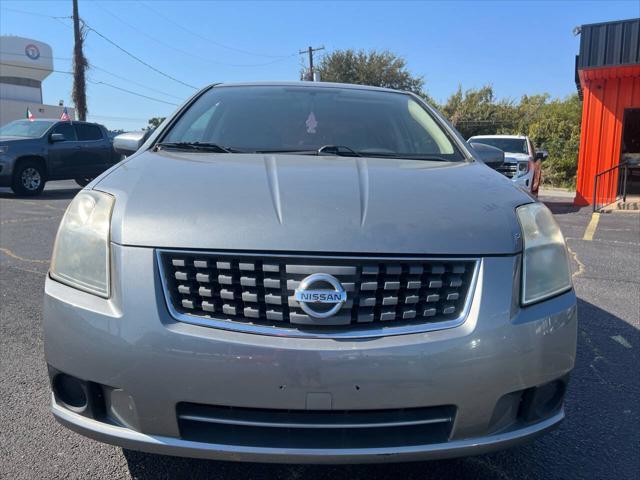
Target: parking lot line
{"x":591,"y":228}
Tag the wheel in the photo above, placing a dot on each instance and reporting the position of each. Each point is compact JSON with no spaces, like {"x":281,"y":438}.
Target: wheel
{"x":83,"y":181}
{"x":28,"y":179}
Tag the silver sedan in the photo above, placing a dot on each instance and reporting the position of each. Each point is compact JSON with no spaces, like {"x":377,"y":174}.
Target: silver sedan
{"x":308,"y":272}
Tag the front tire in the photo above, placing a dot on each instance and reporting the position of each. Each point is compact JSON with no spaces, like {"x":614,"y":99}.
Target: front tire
{"x":28,"y":179}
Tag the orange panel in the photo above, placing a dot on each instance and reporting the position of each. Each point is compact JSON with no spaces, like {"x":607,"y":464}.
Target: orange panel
{"x":607,"y":93}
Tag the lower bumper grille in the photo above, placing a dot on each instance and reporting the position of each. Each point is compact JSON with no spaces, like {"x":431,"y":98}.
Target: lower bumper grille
{"x":259,"y":290}
{"x":330,"y":429}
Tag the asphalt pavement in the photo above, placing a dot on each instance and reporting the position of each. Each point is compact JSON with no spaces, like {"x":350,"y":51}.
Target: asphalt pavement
{"x":599,"y":439}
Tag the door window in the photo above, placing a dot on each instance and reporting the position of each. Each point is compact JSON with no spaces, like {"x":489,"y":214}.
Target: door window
{"x":67,"y":130}
{"x":88,"y":132}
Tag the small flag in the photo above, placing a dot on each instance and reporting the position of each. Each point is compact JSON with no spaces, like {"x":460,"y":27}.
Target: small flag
{"x":30,"y":115}
{"x":65,"y":115}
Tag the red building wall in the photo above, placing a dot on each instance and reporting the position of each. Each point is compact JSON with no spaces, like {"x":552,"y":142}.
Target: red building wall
{"x":607,"y":92}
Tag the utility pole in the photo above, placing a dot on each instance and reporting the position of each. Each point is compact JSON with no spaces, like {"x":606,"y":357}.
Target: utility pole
{"x":79,"y":92}
{"x":310,"y":51}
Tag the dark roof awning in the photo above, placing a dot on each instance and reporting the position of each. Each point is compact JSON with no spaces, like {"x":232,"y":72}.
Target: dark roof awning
{"x":608,"y":44}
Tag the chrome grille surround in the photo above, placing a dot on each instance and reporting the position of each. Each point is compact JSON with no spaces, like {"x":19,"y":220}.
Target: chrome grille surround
{"x":254,"y":293}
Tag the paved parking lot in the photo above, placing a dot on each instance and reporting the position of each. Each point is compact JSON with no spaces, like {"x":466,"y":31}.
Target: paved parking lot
{"x":599,"y":439}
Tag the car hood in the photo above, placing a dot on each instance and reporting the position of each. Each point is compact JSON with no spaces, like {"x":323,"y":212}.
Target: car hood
{"x":515,"y":157}
{"x":9,"y":139}
{"x":303,"y":203}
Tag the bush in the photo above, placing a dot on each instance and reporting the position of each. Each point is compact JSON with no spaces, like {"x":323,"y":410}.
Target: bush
{"x":559,"y":172}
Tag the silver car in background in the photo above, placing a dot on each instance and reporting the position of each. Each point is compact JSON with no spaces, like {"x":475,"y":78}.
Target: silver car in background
{"x":308,"y":272}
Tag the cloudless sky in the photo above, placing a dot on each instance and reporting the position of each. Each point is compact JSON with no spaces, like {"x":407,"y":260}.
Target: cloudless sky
{"x":518,"y":47}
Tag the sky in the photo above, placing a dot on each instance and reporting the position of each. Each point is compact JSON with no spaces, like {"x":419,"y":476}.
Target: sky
{"x":517,"y":47}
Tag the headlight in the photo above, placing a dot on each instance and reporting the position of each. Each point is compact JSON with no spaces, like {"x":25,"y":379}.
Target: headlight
{"x":523,"y":168}
{"x":81,"y":250}
{"x":545,"y":265}
{"x":4,"y":148}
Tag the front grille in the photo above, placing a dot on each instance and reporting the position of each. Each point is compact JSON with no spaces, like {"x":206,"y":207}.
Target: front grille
{"x":509,"y":170}
{"x":259,"y":290}
{"x":314,"y":429}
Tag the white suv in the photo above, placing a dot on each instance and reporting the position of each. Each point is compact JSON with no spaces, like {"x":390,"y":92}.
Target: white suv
{"x":521,"y":161}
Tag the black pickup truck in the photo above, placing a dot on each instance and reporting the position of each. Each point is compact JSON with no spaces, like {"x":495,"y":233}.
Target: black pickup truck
{"x":34,"y":152}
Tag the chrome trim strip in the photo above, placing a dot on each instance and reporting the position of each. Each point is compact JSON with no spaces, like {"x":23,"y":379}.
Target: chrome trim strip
{"x":199,"y":418}
{"x":352,"y":333}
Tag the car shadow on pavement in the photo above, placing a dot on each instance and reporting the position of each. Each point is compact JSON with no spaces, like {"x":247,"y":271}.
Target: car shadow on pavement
{"x":563,"y":206}
{"x":596,"y":439}
{"x":57,"y":194}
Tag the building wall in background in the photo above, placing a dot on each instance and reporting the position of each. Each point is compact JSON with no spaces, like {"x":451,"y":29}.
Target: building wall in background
{"x":24,"y":64}
{"x":607,"y":93}
{"x":14,"y":110}
{"x":608,"y":71}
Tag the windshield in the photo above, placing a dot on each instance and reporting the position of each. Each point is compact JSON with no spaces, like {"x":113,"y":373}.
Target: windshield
{"x":511,"y":145}
{"x":297,"y":119}
{"x":25,"y":128}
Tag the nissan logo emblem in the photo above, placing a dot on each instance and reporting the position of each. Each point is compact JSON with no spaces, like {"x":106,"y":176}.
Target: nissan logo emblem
{"x":312,"y":294}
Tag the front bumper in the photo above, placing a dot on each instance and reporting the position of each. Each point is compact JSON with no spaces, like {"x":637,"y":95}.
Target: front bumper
{"x":148,"y":363}
{"x":6,"y":170}
{"x":525,"y":181}
{"x":133,"y":440}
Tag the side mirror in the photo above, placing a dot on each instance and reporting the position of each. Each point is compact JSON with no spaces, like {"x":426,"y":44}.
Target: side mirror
{"x":488,"y":154}
{"x":541,"y":155}
{"x":129,"y":143}
{"x":56,"y":137}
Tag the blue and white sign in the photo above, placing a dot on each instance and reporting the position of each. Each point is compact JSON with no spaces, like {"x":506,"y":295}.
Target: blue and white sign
{"x":32,"y":51}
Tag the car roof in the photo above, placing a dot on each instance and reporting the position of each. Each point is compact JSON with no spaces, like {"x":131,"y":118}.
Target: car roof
{"x":518,"y":137}
{"x":55,"y":120}
{"x":351,"y":86}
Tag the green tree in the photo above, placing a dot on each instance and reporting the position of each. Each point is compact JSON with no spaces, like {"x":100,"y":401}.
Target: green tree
{"x":552,"y":124}
{"x":556,"y":129}
{"x":477,"y":112}
{"x":155,"y":122}
{"x":379,"y":69}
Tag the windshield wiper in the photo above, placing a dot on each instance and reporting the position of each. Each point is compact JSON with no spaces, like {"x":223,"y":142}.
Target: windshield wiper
{"x":339,"y":150}
{"x":197,"y":146}
{"x":285,"y":150}
{"x":408,"y":156}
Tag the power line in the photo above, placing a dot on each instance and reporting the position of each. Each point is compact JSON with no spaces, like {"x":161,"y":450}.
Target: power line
{"x":185,"y":52}
{"x":138,"y":59}
{"x":88,"y":27}
{"x":13,"y":54}
{"x":202,"y":37}
{"x":109,"y":117}
{"x":15,"y":10}
{"x":131,"y":92}
{"x":95,"y":82}
{"x":35,"y":14}
{"x":135,"y":83}
{"x":34,"y":68}
{"x":96,"y":67}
